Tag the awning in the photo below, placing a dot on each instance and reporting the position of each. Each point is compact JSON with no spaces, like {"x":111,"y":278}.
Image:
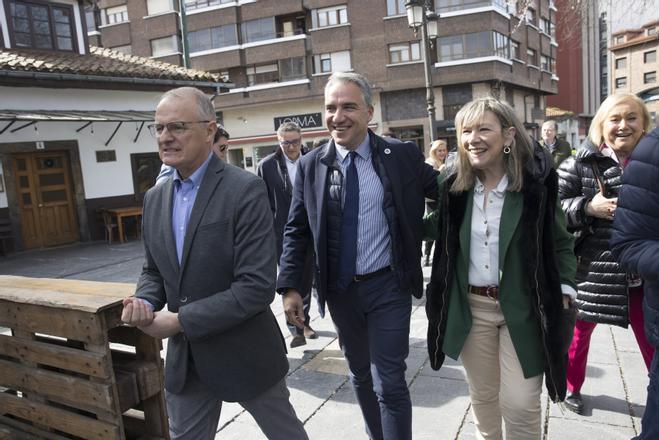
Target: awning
{"x":20,"y":119}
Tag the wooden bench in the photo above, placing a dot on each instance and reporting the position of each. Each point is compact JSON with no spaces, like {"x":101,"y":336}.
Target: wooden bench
{"x":70,"y":369}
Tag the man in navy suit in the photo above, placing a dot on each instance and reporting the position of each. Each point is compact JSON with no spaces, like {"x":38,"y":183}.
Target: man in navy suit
{"x":359,"y":199}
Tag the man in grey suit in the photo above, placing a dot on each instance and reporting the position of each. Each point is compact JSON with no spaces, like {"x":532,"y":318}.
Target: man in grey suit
{"x":210,"y":257}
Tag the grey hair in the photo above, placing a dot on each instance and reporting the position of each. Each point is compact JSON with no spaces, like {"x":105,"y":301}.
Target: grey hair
{"x":553,"y":122}
{"x":287,"y":127}
{"x":354,"y":78}
{"x":205,"y":108}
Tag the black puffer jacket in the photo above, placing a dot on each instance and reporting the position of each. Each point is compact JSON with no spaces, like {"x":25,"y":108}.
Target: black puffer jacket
{"x":602,"y":294}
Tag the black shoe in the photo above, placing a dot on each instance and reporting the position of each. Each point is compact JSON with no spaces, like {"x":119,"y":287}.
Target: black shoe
{"x":310,"y":333}
{"x":297,"y":341}
{"x":574,"y":403}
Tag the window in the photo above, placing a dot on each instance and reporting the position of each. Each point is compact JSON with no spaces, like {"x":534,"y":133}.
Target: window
{"x":650,"y":57}
{"x":118,"y":14}
{"x":621,"y":82}
{"x":258,"y":30}
{"x":531,"y":57}
{"x":479,"y":44}
{"x":145,"y":167}
{"x":289,"y":26}
{"x":332,"y":62}
{"x":460,"y":5}
{"x":404,"y":52}
{"x":164,"y":46}
{"x":515,"y":51}
{"x":154,"y":7}
{"x":396,"y":7}
{"x":127,"y":49}
{"x":529,"y":15}
{"x":650,"y":77}
{"x":262,"y":74}
{"x":621,"y":63}
{"x":91,"y":20}
{"x":545,"y":26}
{"x":454,"y":98}
{"x":198,"y":4}
{"x":331,"y":16}
{"x":213,"y":38}
{"x":619,"y":39}
{"x":652,"y":31}
{"x":544,"y":62}
{"x":42,"y":26}
{"x":291,"y":69}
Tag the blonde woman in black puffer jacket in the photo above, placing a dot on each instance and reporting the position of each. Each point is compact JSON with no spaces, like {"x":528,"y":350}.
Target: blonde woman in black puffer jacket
{"x":588,"y":187}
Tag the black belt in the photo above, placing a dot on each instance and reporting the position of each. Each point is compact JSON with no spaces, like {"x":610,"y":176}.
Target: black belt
{"x":368,"y":276}
{"x":491,"y":292}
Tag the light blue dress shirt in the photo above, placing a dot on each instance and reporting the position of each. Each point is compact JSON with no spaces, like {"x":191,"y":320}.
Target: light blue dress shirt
{"x":373,"y":238}
{"x":183,"y":198}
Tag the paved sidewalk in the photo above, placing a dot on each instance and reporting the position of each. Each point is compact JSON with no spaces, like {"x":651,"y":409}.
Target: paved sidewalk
{"x":614,"y":392}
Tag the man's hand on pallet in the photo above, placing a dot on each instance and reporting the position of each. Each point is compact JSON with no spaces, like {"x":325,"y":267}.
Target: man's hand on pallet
{"x":140,"y":314}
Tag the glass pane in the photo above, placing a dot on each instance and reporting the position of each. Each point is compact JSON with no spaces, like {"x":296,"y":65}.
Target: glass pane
{"x":39,"y":13}
{"x":64,"y":43}
{"x":62,"y":15}
{"x":63,"y":29}
{"x":18,"y":10}
{"x":23,"y":182}
{"x":20,"y":164}
{"x":27,"y":199}
{"x":43,"y":42}
{"x":41,"y":27}
{"x":21,"y":25}
{"x":51,"y":179}
{"x":23,"y":40}
{"x":53,"y":196}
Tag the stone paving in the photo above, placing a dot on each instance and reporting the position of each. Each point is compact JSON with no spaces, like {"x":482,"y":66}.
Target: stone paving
{"x":614,"y":392}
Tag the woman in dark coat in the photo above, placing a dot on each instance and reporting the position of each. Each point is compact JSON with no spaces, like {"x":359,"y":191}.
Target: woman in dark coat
{"x":503,"y":271}
{"x":588,"y":186}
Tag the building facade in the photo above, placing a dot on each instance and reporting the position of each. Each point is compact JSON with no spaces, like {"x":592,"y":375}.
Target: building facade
{"x":279,"y":53}
{"x":634,"y":64}
{"x":73,"y":135}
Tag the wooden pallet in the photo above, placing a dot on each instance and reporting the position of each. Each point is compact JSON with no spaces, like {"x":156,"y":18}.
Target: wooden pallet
{"x":70,"y":370}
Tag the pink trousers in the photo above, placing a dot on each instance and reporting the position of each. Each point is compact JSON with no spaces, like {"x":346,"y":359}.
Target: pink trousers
{"x":583,"y":330}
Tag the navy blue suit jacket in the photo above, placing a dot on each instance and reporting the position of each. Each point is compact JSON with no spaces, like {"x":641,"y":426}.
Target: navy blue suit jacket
{"x":411,"y":179}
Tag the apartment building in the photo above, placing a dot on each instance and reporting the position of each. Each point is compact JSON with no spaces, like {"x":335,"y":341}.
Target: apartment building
{"x":635,"y":65}
{"x":279,"y":53}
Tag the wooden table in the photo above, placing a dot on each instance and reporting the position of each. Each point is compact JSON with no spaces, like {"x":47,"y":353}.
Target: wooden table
{"x":69,"y":368}
{"x":121,"y":213}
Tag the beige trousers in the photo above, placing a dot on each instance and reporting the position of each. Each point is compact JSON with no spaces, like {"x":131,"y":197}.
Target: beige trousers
{"x":497,"y":386}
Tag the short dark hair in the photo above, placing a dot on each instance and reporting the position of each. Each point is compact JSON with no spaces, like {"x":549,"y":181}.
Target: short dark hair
{"x":221,"y":132}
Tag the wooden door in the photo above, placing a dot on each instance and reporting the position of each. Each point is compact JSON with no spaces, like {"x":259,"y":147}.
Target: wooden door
{"x":45,"y":196}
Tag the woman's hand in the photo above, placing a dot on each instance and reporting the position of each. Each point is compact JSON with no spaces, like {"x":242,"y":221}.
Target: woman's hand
{"x":601,"y":207}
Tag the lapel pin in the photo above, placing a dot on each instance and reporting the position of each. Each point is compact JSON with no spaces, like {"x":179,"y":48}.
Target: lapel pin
{"x":387,"y":151}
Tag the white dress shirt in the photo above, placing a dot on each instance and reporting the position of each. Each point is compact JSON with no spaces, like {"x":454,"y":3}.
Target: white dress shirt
{"x":484,"y":243}
{"x":291,"y":168}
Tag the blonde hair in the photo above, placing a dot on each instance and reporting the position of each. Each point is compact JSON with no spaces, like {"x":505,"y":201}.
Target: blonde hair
{"x":434,"y":147}
{"x":521,"y":148}
{"x":596,"y":131}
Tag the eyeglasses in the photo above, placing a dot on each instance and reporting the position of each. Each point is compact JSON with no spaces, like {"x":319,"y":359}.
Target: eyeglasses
{"x":290,"y":143}
{"x":175,"y":128}
{"x":223,"y":147}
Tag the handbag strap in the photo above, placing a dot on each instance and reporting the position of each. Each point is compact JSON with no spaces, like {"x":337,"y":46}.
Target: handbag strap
{"x":598,"y":178}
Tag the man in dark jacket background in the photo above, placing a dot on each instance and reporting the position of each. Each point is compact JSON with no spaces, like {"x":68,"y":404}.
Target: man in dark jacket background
{"x":278,"y":170}
{"x":635,"y":243}
{"x":559,"y":148}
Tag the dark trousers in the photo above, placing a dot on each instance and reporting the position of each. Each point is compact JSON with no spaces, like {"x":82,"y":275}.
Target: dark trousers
{"x":650,"y":421}
{"x":305,"y":292}
{"x":372,"y":320}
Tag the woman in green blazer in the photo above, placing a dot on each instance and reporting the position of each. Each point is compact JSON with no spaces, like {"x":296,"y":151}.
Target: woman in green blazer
{"x":502,"y":282}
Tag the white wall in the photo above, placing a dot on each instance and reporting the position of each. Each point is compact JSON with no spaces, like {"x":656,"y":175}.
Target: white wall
{"x":100,"y":179}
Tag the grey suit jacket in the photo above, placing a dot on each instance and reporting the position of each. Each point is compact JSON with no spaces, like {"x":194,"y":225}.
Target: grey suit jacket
{"x":222,"y":289}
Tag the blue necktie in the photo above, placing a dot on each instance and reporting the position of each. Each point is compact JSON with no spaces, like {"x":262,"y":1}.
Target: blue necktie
{"x":349,"y":221}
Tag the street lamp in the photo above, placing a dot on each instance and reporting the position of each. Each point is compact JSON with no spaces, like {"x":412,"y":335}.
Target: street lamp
{"x":421,"y":15}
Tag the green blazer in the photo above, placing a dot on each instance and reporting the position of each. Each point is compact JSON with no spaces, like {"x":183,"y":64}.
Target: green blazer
{"x":514,"y":294}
